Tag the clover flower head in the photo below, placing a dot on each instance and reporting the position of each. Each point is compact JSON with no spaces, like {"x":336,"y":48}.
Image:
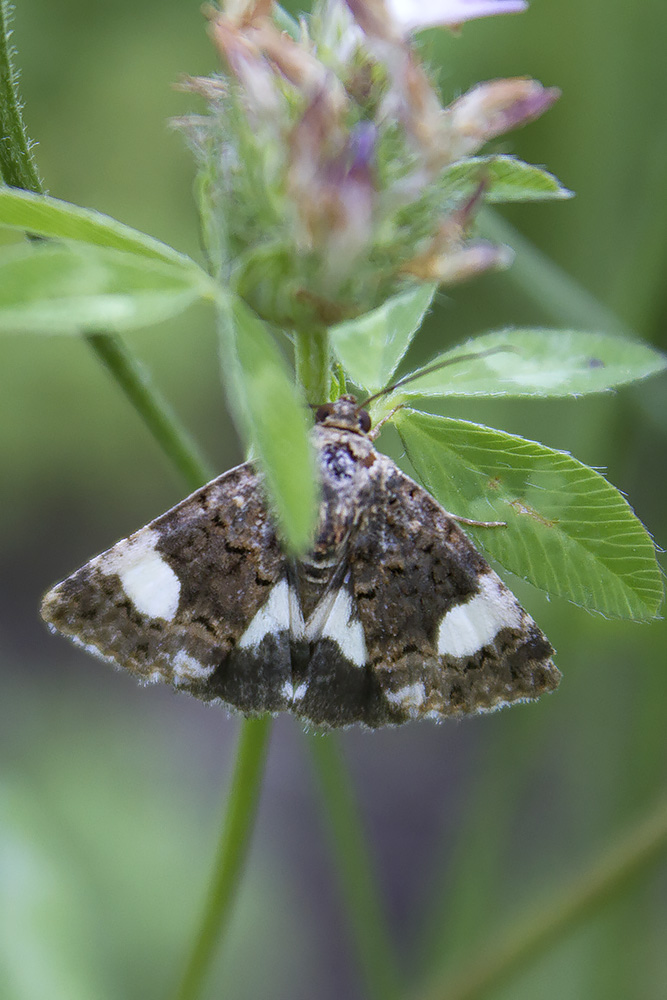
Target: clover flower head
{"x":325,"y":150}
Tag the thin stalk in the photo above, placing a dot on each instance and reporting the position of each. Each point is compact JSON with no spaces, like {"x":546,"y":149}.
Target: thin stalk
{"x":156,"y":413}
{"x":313,"y":364}
{"x":537,"y":934}
{"x":238,"y":823}
{"x":376,"y":953}
{"x":17,"y":166}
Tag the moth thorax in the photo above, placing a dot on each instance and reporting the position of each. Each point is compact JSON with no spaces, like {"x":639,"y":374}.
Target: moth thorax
{"x":338,"y":463}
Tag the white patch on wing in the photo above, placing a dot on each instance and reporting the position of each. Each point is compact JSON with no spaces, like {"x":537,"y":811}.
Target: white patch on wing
{"x":412,"y":696}
{"x":186,"y":668}
{"x":300,"y":691}
{"x":148,"y":581}
{"x":271,"y":619}
{"x":297,"y":626}
{"x":468,"y":627}
{"x":332,"y":619}
{"x":287,"y":691}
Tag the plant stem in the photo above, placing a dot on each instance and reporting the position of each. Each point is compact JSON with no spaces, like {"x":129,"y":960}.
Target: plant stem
{"x":377,"y":955}
{"x":239,"y":818}
{"x":537,"y":934}
{"x":17,"y":166}
{"x":313,"y":364}
{"x":156,"y":413}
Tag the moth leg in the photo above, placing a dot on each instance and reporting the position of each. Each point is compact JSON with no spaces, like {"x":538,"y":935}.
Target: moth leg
{"x":372,"y":435}
{"x":476,"y":524}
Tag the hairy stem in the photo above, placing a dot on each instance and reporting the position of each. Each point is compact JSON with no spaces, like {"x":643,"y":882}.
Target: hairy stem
{"x":528,"y":940}
{"x":376,"y":953}
{"x":17,"y":166}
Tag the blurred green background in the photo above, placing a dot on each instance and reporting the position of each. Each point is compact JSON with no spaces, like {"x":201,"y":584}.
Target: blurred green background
{"x":110,"y":795}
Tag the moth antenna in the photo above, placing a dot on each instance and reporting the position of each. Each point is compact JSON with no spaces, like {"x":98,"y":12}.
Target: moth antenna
{"x":434,"y":368}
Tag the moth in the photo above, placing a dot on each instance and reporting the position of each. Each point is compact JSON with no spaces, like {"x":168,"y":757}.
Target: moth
{"x":393,"y":615}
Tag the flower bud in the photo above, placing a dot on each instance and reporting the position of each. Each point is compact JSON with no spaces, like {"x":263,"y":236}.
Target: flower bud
{"x":457,"y":266}
{"x":492,"y":108}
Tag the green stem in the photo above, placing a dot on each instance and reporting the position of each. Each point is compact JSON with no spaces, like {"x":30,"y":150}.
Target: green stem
{"x":538,"y":934}
{"x":156,"y":413}
{"x":233,"y":845}
{"x":377,"y":955}
{"x":313,"y":364}
{"x":17,"y":166}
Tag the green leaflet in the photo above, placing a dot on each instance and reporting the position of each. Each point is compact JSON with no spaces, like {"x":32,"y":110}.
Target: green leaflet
{"x":506,"y":179}
{"x":370,"y":347}
{"x":568,"y":530}
{"x":41,"y":215}
{"x":273,"y":416}
{"x":539,"y":363}
{"x":66,"y":289}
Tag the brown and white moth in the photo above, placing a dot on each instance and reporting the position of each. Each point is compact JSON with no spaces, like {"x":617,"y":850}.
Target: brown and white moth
{"x":392,"y":616}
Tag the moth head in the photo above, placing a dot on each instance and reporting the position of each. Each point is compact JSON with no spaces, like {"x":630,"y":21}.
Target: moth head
{"x":344,"y":413}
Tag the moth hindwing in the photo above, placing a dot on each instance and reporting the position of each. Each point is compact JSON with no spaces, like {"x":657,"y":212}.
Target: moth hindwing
{"x":392,"y":616}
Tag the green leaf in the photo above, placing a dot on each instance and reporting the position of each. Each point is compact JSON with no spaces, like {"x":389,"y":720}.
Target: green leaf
{"x":371,"y":346}
{"x":41,"y":215}
{"x":568,"y":530}
{"x":506,"y":178}
{"x":539,"y":363}
{"x":65,"y":289}
{"x":273,"y":416}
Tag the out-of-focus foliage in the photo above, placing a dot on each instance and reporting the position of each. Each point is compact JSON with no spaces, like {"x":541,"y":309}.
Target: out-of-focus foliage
{"x":110,"y":794}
